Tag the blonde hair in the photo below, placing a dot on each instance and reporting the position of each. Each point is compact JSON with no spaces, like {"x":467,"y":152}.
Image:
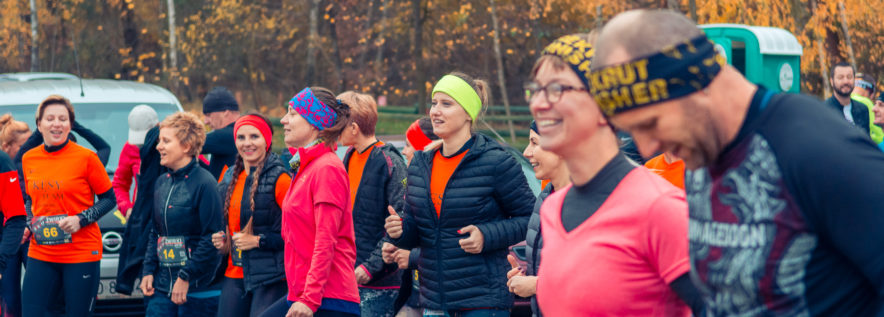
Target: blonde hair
{"x":363,"y":110}
{"x":188,"y":129}
{"x":10,"y":130}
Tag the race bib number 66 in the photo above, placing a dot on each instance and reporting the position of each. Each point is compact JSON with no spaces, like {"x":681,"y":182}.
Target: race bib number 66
{"x":47,"y":232}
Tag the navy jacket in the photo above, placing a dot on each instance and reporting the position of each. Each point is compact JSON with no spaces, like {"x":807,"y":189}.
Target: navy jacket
{"x":858,"y":111}
{"x":382,"y":185}
{"x":488,"y":190}
{"x":266,"y":264}
{"x":220,"y":144}
{"x":186,"y":203}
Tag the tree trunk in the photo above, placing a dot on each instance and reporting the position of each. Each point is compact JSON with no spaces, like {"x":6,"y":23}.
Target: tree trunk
{"x":692,"y":5}
{"x":417,"y":50}
{"x":173,"y":47}
{"x":847,"y":34}
{"x":333,"y":34}
{"x":367,"y":37}
{"x":673,"y":5}
{"x":311,"y":42}
{"x":130,"y":41}
{"x":35,"y":63}
{"x":821,"y":53}
{"x":379,"y":57}
{"x":501,"y":76}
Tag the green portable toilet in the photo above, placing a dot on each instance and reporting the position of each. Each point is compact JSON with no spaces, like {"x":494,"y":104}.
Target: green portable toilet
{"x":765,"y":55}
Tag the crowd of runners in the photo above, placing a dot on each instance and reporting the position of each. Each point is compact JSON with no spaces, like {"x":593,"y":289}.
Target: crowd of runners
{"x":767,"y":204}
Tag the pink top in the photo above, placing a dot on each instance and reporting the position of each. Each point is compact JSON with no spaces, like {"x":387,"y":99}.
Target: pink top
{"x":317,"y":226}
{"x":127,"y":168}
{"x":620,"y":261}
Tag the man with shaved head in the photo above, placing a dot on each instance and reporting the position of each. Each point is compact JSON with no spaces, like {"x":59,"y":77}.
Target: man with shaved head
{"x":785,"y":206}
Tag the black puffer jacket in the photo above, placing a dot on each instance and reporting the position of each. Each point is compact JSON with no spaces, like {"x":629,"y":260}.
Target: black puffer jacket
{"x":265,"y":264}
{"x":534,"y":242}
{"x":487,"y":190}
{"x":186,"y":203}
{"x":382,"y":185}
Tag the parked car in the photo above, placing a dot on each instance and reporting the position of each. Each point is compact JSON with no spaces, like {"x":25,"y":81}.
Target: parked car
{"x":102,"y":106}
{"x":35,"y":76}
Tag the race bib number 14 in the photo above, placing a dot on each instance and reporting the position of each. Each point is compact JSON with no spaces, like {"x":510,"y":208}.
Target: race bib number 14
{"x":172,"y":251}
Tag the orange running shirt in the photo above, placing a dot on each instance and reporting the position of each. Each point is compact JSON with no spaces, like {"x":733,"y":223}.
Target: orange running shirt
{"x":443,"y":168}
{"x":65,"y":182}
{"x":233,"y":224}
{"x":674,"y":172}
{"x":355,"y":169}
{"x":543,"y":183}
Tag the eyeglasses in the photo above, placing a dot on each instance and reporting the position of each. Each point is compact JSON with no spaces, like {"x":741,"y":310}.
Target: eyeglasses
{"x":553,"y":91}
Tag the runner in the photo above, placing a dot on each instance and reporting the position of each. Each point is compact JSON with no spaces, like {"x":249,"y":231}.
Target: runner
{"x":377,"y":179}
{"x":141,"y":119}
{"x":13,"y":134}
{"x":622,"y":227}
{"x":255,"y":275}
{"x":62,"y":180}
{"x":320,"y":252}
{"x":180,"y":261}
{"x":467,"y":201}
{"x":221,"y":111}
{"x":418,"y":136}
{"x":778,"y":225}
{"x":547,"y":167}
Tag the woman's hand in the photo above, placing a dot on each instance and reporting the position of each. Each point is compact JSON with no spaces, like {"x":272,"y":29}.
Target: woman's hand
{"x":387,"y":251}
{"x":393,"y":224}
{"x":245,"y":241}
{"x":298,"y":309}
{"x":362,"y":276}
{"x":402,"y":257}
{"x":70,"y":224}
{"x":147,"y":285}
{"x":179,"y":291}
{"x":475,"y":242}
{"x":525,"y":286}
{"x":218,"y":240}
{"x":25,"y":235}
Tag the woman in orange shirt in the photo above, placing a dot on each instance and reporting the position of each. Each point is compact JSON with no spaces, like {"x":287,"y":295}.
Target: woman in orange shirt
{"x":62,"y":180}
{"x":255,"y":274}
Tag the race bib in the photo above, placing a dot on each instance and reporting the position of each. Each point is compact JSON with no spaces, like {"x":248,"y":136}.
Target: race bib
{"x":172,"y":251}
{"x":236,"y":256}
{"x":47,"y":232}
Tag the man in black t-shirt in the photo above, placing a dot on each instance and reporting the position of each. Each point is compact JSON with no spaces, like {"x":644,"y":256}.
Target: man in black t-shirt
{"x":784,"y":197}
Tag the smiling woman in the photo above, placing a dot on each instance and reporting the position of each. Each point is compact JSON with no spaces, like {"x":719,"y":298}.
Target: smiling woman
{"x":62,"y":178}
{"x":253,"y":190}
{"x":180,"y":262}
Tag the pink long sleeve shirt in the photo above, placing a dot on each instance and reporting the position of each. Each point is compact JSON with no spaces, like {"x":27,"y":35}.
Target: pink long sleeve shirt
{"x":317,"y":226}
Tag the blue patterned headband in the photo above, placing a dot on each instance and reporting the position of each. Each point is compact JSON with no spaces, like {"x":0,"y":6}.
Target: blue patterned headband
{"x":314,"y":111}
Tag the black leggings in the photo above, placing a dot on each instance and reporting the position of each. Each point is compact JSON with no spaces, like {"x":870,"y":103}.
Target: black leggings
{"x":235,"y":302}
{"x":47,"y":282}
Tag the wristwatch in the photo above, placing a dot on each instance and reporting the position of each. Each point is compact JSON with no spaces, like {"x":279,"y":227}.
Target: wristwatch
{"x":262,"y":243}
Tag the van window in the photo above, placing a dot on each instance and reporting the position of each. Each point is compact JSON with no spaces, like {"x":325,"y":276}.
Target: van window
{"x":109,"y":120}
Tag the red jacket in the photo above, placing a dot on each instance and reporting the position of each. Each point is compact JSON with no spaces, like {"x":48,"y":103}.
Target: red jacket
{"x":127,"y":170}
{"x":317,"y":226}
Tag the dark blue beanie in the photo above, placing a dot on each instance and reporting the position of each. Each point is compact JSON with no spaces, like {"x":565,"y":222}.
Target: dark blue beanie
{"x":534,"y":126}
{"x":219,"y":99}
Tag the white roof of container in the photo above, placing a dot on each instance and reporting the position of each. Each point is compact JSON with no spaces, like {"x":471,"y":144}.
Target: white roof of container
{"x":95,"y":91}
{"x":771,"y":41}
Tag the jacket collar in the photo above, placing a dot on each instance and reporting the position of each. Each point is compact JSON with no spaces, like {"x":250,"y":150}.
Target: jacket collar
{"x":186,"y":169}
{"x":310,"y":153}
